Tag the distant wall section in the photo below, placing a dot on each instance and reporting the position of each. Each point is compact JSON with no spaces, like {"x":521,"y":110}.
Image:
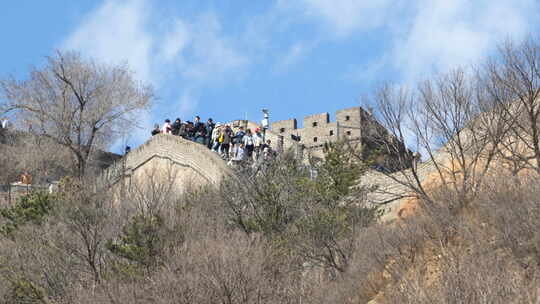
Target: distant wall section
{"x":358,"y":126}
{"x":318,"y":129}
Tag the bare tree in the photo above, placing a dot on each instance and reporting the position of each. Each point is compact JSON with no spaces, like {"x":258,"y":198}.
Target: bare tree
{"x":442,"y":118}
{"x":78,"y":102}
{"x":512,"y":81}
{"x":9,"y":167}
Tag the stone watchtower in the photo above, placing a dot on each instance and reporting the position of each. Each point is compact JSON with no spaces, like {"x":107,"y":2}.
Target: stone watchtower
{"x":356,"y":125}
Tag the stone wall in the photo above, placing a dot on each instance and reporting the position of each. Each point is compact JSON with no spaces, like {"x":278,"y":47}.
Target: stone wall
{"x":351,"y":122}
{"x":318,"y":128}
{"x":285,"y":126}
{"x":174,"y":158}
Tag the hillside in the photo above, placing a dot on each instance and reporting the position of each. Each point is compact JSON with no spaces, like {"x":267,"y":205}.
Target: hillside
{"x":172,"y":222}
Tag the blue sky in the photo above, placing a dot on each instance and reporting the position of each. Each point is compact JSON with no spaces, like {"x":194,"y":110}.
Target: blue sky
{"x":227,"y":59}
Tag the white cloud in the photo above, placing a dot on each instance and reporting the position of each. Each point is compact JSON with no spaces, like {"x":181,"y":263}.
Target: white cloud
{"x":213,"y":56}
{"x":116,"y":32}
{"x":175,"y":41}
{"x":424,"y":35}
{"x":445,"y":34}
{"x":180,"y":57}
{"x":343,"y":17}
{"x":293,"y":55}
{"x":123,"y":31}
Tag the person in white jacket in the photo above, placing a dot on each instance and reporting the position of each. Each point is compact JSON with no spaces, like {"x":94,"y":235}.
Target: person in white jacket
{"x":257,"y":142}
{"x":239,"y":156}
{"x":167,"y":127}
{"x":215,"y":138}
{"x":249,"y":144}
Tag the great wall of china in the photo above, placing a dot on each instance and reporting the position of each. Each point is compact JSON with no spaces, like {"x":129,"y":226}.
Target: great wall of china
{"x":188,"y":163}
{"x":193,"y":163}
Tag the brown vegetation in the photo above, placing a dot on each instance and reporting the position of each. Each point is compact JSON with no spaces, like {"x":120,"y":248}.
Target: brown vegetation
{"x":286,"y":235}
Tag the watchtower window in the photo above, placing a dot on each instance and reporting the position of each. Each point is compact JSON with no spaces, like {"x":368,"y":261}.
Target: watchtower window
{"x":349,"y":133}
{"x":315,"y":139}
{"x":347,"y":118}
{"x":282,"y":130}
{"x":314,"y":124}
{"x":331,"y":132}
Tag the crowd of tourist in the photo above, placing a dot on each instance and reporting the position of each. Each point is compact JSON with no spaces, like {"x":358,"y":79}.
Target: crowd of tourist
{"x":238,"y":147}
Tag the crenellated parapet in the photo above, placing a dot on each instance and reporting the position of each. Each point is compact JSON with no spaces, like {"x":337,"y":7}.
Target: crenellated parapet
{"x":355,"y":125}
{"x":319,"y":128}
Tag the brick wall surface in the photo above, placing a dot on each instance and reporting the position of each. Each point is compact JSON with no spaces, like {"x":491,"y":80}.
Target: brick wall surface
{"x":319,"y":119}
{"x":350,"y":122}
{"x":318,"y":129}
{"x":193,"y":163}
{"x":288,"y":126}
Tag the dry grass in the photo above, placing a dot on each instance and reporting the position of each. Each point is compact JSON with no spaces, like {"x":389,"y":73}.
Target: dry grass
{"x":487,"y":251}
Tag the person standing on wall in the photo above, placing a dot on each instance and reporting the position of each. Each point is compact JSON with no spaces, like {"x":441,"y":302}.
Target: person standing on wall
{"x":248,"y":144}
{"x":210,"y":125}
{"x":189,"y":131}
{"x":156,"y":130}
{"x":176,"y":127}
{"x":258,"y":141}
{"x":200,"y":130}
{"x":225,"y":139}
{"x":167,"y":127}
{"x":238,"y":139}
{"x":217,"y":138}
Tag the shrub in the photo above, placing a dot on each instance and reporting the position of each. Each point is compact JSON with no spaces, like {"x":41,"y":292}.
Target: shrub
{"x":305,"y":208}
{"x":31,"y":208}
{"x":25,"y":292}
{"x":140,"y":241}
